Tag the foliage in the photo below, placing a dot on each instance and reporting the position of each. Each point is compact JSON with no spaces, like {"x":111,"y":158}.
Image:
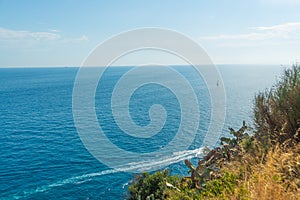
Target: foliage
{"x":221,"y":186}
{"x":277,"y":111}
{"x":151,"y":186}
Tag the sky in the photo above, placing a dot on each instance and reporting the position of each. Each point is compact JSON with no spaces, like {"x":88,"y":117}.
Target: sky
{"x":64,"y":32}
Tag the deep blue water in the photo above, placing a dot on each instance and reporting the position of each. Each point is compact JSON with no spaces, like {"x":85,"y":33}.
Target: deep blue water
{"x":42,"y":156}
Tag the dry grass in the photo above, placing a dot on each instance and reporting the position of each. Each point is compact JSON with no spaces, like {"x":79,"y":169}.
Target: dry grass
{"x":277,"y":178}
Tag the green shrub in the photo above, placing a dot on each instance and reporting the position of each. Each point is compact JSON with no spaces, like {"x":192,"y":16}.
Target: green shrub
{"x":220,"y":187}
{"x":151,"y":186}
{"x":277,"y":111}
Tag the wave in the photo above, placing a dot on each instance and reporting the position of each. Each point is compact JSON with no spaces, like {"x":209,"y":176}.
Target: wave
{"x":138,"y":166}
{"x":164,"y":161}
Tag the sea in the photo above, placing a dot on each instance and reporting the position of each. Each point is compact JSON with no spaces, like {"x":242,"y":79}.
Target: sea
{"x":43,"y":156}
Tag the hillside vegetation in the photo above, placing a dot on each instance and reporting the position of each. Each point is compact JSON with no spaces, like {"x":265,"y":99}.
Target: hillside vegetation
{"x":261,"y":165}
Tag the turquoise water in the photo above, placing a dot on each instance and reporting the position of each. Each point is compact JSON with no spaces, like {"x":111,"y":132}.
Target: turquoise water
{"x":42,"y":156}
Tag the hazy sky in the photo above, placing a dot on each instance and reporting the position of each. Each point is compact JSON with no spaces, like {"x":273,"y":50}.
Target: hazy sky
{"x":63,"y":32}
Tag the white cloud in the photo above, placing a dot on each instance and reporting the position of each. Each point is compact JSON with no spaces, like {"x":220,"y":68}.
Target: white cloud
{"x":248,"y":36}
{"x":54,"y":30}
{"x":82,"y":38}
{"x":281,"y":31}
{"x":8,"y":34}
{"x":287,"y":27}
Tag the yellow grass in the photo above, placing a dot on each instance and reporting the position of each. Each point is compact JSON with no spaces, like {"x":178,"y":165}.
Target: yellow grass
{"x":277,"y":178}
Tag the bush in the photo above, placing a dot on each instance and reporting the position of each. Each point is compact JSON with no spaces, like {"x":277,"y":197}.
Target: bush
{"x":151,"y":186}
{"x":277,"y":111}
{"x":220,"y":187}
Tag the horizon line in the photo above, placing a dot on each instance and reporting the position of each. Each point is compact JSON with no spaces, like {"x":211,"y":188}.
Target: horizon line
{"x":131,"y":65}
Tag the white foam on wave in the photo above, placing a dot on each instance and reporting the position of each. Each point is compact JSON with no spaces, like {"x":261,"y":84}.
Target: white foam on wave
{"x":164,"y":161}
{"x":138,"y":166}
